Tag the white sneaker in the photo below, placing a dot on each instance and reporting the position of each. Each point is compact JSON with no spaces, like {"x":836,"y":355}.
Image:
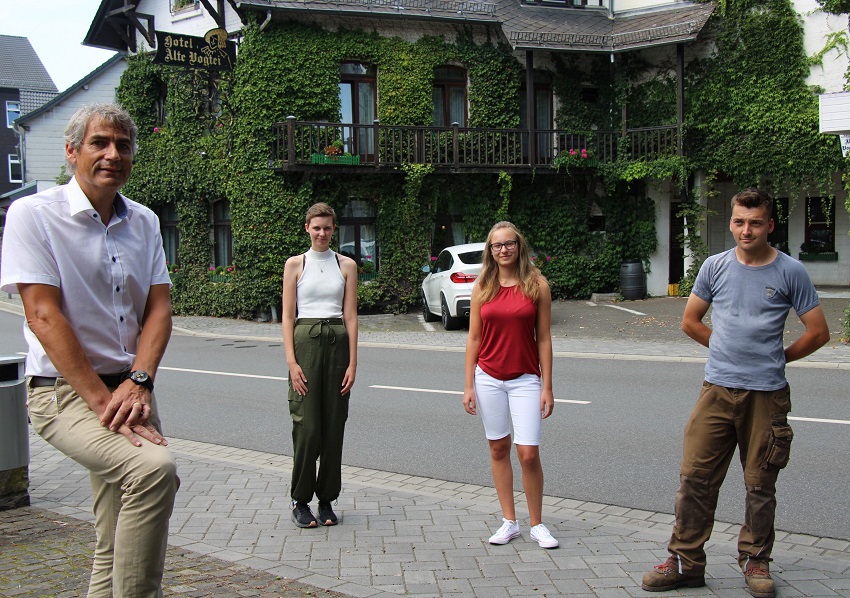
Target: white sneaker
{"x":506,"y":533}
{"x":541,"y":535}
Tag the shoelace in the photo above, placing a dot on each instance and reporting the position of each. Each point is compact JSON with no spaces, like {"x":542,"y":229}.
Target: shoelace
{"x":757,"y":572}
{"x":506,"y":527}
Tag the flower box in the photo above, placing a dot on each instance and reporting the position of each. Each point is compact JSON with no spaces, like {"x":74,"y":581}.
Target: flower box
{"x":826,"y":256}
{"x":322,"y":159}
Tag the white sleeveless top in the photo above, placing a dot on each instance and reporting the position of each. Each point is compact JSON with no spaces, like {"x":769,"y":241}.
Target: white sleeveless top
{"x":321,"y":286}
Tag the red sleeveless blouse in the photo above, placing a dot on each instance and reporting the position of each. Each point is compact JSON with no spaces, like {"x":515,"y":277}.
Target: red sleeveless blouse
{"x":508,"y":336}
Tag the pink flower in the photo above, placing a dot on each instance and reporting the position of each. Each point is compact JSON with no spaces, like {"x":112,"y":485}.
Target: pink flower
{"x":572,"y":152}
{"x":212,"y":268}
{"x":548,"y":258}
{"x":156,"y":129}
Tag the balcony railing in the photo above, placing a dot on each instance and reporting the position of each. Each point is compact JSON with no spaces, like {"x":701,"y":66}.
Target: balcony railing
{"x":300,"y":145}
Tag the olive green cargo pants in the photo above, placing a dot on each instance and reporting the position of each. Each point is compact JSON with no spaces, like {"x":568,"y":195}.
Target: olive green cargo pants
{"x":318,"y":418}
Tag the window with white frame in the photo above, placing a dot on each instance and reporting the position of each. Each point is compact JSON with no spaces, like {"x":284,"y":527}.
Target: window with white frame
{"x":183,"y":5}
{"x":820,"y":225}
{"x":13,"y":111}
{"x":16,"y":170}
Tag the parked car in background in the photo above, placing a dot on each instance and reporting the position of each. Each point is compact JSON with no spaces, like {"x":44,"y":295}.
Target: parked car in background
{"x":447,"y":288}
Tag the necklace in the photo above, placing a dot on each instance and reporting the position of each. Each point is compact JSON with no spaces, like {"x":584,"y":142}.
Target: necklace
{"x":323,"y":262}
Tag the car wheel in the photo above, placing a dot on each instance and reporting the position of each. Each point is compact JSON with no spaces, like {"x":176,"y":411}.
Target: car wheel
{"x":449,"y":322}
{"x":426,"y":313}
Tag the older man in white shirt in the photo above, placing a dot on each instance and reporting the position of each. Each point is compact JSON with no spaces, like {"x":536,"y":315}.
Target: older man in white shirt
{"x":90,"y":269}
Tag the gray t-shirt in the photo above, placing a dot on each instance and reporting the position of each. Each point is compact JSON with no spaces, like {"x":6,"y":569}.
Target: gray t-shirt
{"x":750,"y":307}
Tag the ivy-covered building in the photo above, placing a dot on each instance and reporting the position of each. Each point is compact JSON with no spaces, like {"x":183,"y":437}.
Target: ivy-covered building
{"x":602,"y":128}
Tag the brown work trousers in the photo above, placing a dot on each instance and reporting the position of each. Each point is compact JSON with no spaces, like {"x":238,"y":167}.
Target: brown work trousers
{"x":723,"y":418}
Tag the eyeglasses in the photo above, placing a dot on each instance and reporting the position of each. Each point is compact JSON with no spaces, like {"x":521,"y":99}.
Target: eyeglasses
{"x":497,"y":247}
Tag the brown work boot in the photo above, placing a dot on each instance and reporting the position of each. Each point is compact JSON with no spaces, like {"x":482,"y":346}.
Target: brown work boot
{"x":759,"y":582}
{"x":666,"y":576}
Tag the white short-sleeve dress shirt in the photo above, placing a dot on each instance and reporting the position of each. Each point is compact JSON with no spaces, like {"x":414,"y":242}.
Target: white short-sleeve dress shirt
{"x":104,"y":272}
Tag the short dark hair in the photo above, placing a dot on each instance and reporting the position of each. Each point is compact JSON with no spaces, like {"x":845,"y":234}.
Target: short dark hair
{"x":754,"y":198}
{"x":319,"y":209}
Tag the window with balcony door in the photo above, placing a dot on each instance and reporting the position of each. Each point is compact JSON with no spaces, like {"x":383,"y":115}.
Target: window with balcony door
{"x":357,"y":84}
{"x":449,"y":96}
{"x":542,"y":115}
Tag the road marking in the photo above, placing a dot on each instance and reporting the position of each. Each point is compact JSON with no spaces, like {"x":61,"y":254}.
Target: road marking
{"x":821,"y":421}
{"x":426,"y":325}
{"x":455,"y":392}
{"x":218,"y":373}
{"x":631,"y":311}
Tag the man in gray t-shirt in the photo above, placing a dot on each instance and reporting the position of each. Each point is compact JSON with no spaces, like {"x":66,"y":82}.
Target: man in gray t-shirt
{"x":745,"y":398}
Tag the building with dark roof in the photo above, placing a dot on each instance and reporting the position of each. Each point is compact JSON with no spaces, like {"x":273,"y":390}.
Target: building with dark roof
{"x":24,"y":86}
{"x":571,"y":103}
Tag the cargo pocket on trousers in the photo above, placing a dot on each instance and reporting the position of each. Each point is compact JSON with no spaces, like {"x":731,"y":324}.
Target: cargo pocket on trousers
{"x":779,"y":445}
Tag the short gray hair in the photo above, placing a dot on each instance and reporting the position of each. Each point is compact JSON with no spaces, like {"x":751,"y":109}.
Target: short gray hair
{"x":112,"y":114}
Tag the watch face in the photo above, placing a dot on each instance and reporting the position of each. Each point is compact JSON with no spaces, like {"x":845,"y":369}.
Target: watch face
{"x":140,"y":377}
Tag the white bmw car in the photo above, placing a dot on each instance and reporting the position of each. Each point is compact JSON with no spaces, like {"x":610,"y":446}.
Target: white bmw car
{"x":447,"y":288}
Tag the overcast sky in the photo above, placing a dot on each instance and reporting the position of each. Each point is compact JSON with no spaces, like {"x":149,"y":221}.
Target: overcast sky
{"x":56,"y":29}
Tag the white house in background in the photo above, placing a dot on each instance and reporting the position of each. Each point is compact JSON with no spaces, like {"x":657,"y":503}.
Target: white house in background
{"x":829,"y":223}
{"x":42,"y":131}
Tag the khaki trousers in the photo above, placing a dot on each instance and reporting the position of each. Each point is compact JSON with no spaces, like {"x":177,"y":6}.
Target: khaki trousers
{"x":723,"y":418}
{"x":318,"y":418}
{"x":133,"y":488}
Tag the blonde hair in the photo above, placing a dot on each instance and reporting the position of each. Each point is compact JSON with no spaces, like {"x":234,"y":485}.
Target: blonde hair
{"x":528,"y":274}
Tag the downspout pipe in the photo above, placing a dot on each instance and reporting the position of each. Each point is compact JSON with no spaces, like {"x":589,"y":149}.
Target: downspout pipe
{"x":268,"y":19}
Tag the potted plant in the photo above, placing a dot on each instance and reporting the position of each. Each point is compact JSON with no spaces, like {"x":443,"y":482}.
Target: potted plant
{"x":574,"y":158}
{"x":818,"y":251}
{"x":335,"y":154}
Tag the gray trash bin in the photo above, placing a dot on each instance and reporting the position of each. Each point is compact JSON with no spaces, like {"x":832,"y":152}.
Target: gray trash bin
{"x":14,"y":435}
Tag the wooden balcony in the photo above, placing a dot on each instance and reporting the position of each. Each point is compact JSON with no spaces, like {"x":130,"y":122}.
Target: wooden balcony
{"x":300,"y":146}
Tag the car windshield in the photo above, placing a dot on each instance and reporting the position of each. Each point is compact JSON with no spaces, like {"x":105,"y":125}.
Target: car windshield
{"x":471,"y":257}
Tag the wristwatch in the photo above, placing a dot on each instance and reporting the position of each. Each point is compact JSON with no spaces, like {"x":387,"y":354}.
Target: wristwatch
{"x":140,"y":377}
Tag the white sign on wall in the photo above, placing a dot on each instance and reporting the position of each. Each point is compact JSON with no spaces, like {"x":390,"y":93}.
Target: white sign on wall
{"x":835,"y":112}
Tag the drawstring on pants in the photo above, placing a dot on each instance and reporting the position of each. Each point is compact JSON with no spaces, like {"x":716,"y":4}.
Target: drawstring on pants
{"x":317,"y":333}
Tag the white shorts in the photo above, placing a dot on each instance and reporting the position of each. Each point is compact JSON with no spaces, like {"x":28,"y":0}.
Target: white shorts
{"x":502,"y":402}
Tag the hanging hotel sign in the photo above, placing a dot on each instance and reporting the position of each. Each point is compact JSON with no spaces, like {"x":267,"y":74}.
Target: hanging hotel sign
{"x":213,"y":52}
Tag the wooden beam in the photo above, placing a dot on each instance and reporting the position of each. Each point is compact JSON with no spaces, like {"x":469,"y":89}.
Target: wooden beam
{"x":216,"y":13}
{"x":127,"y":15}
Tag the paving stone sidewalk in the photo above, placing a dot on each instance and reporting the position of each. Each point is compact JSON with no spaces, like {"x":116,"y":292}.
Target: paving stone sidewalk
{"x":231,"y":535}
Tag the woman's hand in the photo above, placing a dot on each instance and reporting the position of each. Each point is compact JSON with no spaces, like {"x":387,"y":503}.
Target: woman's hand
{"x":547,"y":403}
{"x":469,"y":401}
{"x":298,"y":380}
{"x":348,"y":380}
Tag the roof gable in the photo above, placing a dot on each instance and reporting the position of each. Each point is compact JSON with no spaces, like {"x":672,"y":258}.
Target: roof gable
{"x":20,"y":66}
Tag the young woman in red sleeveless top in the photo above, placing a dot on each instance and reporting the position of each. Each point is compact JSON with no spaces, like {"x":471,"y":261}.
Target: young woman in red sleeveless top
{"x":509,"y":372}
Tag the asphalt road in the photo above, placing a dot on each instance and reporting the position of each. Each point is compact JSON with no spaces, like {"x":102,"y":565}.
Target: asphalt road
{"x":622,"y":447}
